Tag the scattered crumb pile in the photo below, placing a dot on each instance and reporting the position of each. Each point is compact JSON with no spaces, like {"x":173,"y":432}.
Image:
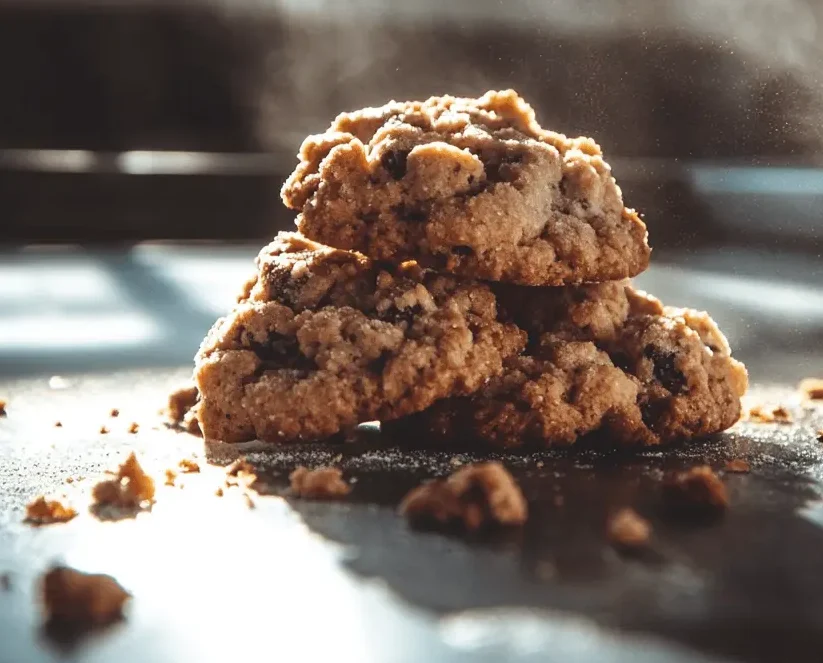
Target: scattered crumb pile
{"x":812,"y":389}
{"x":44,"y":512}
{"x":322,"y":483}
{"x":181,"y":411}
{"x":738,"y":465}
{"x":697,"y":489}
{"x":80,"y":598}
{"x":763,"y":415}
{"x":626,"y":529}
{"x":130,"y":488}
{"x":474,"y":496}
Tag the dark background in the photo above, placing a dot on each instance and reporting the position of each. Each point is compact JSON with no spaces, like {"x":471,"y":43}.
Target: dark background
{"x":711,"y":113}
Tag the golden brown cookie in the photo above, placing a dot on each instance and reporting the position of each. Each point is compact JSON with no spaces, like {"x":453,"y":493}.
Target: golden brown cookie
{"x":323,"y":340}
{"x":644,"y":374}
{"x":474,"y":187}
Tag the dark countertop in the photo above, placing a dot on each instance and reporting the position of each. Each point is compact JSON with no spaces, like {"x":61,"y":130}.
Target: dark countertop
{"x":214,"y":579}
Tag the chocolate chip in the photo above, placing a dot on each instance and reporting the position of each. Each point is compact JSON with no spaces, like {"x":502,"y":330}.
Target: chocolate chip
{"x":664,"y":369}
{"x":280,"y":351}
{"x":395,"y":315}
{"x":410,"y":214}
{"x":394,"y":161}
{"x":651,"y":411}
{"x":622,"y":361}
{"x":377,"y":365}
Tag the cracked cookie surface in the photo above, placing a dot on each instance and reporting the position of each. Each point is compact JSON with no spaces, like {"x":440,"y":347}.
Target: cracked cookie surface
{"x":633,"y":370}
{"x":322,"y":340}
{"x":474,"y":187}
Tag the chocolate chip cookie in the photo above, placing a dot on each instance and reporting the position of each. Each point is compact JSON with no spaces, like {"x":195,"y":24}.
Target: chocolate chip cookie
{"x":324,"y":339}
{"x":474,"y":187}
{"x":643,"y":374}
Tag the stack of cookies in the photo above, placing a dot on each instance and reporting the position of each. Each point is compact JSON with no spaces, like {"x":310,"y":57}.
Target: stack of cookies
{"x":460,"y":273}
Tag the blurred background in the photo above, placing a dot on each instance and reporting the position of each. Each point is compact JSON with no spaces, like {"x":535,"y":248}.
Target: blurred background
{"x":124,"y":122}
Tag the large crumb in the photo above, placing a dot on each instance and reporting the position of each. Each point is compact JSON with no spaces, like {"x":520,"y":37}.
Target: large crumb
{"x":474,"y":496}
{"x":696,"y":489}
{"x":626,"y":529}
{"x":133,"y":427}
{"x":43,"y":512}
{"x":80,"y":598}
{"x":322,"y":483}
{"x":180,"y":402}
{"x":188,"y":466}
{"x":738,"y":465}
{"x":762,"y":415}
{"x":812,"y":388}
{"x":129,"y":488}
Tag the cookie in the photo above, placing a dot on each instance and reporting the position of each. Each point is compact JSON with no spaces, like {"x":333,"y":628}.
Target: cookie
{"x":322,"y":340}
{"x":659,"y":376}
{"x":474,"y":187}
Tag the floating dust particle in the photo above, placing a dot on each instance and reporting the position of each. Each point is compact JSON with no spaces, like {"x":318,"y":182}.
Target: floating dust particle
{"x":738,"y":466}
{"x":323,"y":483}
{"x":69,"y":596}
{"x":475,"y":496}
{"x":540,"y":463}
{"x":104,"y":430}
{"x":188,"y":466}
{"x":697,"y":489}
{"x":114,"y":412}
{"x":133,"y":427}
{"x":628,"y":530}
{"x":45,"y":512}
{"x":171,"y":475}
{"x":811,"y":389}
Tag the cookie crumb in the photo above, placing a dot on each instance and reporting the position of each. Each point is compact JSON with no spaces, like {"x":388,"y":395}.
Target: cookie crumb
{"x":762,"y":415}
{"x":249,"y":501}
{"x":219,"y":491}
{"x":70,"y":596}
{"x":811,"y":389}
{"x":626,"y":529}
{"x":5,"y":582}
{"x":133,"y":427}
{"x":58,"y":424}
{"x":188,"y":466}
{"x":130,"y":488}
{"x":171,"y":475}
{"x":69,"y":479}
{"x":322,"y":483}
{"x":44,"y":512}
{"x":104,"y":430}
{"x":191,"y":424}
{"x":476,"y":495}
{"x":738,"y":466}
{"x":114,"y":412}
{"x":820,"y":435}
{"x":181,"y":400}
{"x":696,"y":489}
{"x":3,"y":404}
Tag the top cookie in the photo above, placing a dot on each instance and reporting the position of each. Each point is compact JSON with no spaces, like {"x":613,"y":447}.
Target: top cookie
{"x":474,"y":187}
